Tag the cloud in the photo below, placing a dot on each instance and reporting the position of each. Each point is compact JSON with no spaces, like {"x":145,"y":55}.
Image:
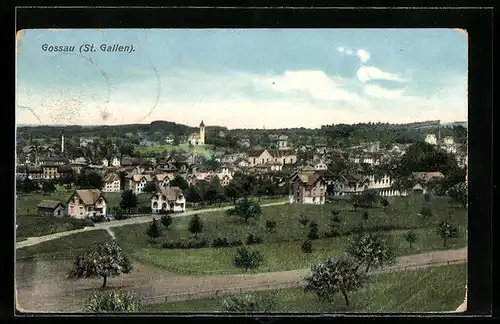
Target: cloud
{"x":363,"y":55}
{"x":315,"y":83}
{"x":368,"y":73}
{"x":377,"y":91}
{"x":341,"y":49}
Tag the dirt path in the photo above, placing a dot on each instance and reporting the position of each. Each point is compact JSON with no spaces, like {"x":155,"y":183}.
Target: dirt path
{"x":42,"y":286}
{"x":135,"y":220}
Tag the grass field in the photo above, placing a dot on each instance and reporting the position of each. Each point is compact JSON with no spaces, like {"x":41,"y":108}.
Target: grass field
{"x":204,"y":150}
{"x":280,"y":256}
{"x":62,"y":248}
{"x":433,"y":289}
{"x":282,"y":248}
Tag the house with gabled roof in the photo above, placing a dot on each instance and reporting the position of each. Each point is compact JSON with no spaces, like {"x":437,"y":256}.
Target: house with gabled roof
{"x":307,"y":187}
{"x":169,"y":199}
{"x":50,"y":208}
{"x":86,"y":203}
{"x":265,"y":156}
{"x":164,"y":179}
{"x":111,"y":182}
{"x":137,"y":182}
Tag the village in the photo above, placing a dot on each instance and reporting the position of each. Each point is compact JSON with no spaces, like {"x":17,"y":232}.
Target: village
{"x":280,"y":167}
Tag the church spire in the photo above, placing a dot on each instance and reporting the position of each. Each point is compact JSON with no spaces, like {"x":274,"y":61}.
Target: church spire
{"x":202,"y":124}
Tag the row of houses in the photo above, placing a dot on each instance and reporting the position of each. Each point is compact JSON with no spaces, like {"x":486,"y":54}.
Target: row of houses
{"x":89,"y":203}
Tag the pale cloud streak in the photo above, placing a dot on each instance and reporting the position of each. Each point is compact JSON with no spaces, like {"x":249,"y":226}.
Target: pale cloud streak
{"x":363,"y":55}
{"x":368,"y":73}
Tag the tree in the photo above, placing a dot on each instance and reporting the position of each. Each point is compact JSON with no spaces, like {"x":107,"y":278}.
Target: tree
{"x":426,"y":212}
{"x":48,"y":186}
{"x":193,"y":194}
{"x":195,"y":225}
{"x":367,"y":198}
{"x":247,"y":303}
{"x":122,"y":175}
{"x":427,"y":197}
{"x":303,"y":220}
{"x":233,"y":191}
{"x":166,"y":220}
{"x":384,"y":202}
{"x":371,"y":250}
{"x":446,"y":231}
{"x":335,"y":276}
{"x":458,"y":193}
{"x":101,"y":260}
{"x":306,"y":246}
{"x":112,"y":301}
{"x":179,"y":182}
{"x":150,"y":187}
{"x":89,"y":179}
{"x":153,"y":230}
{"x":410,"y":237}
{"x":247,"y":259}
{"x":365,"y":216}
{"x":355,"y":201}
{"x":29,"y":185}
{"x":129,"y":200}
{"x":313,"y":233}
{"x":246,"y":209}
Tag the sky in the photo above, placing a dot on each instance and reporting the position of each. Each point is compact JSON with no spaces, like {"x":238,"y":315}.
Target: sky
{"x":242,"y":78}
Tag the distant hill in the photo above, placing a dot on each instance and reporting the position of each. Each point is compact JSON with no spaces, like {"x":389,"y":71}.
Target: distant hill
{"x":164,"y":127}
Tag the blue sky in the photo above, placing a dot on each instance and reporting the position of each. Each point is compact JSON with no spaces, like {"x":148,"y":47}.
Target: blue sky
{"x":243,"y":77}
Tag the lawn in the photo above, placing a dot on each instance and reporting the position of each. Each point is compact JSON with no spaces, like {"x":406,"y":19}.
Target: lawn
{"x":63,"y":248}
{"x":282,"y":248}
{"x":433,"y":289}
{"x":280,"y":256}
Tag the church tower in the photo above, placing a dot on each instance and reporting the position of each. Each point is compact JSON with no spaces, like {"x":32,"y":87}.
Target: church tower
{"x":62,"y":142}
{"x":202,"y":134}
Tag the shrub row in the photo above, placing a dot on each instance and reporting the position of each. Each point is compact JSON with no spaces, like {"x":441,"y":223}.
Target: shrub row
{"x":203,"y":243}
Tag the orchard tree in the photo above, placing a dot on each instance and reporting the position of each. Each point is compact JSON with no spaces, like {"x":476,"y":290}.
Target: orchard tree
{"x":313,"y":233}
{"x":128,"y":201}
{"x":410,"y":237}
{"x":112,"y":302}
{"x":371,"y":250}
{"x":335,"y":276}
{"x":166,"y":220}
{"x":446,"y":231}
{"x":426,"y":212}
{"x":247,"y":259}
{"x":100,"y":260}
{"x":153,"y":230}
{"x":48,"y":187}
{"x":89,"y":179}
{"x":195,"y":225}
{"x":233,"y":191}
{"x":179,"y":182}
{"x":384,"y":202}
{"x":246,"y":209}
{"x":193,"y":194}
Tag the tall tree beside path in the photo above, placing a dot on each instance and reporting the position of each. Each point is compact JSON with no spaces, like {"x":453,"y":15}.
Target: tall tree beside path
{"x":101,"y":260}
{"x":246,"y":209}
{"x":335,"y":276}
{"x":128,"y":201}
{"x":195,"y":225}
{"x":446,"y":231}
{"x":371,"y":250}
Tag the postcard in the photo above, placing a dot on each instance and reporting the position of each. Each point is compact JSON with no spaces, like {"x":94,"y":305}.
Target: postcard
{"x":241,"y":170}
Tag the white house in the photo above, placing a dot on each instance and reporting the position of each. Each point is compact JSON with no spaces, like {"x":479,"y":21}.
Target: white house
{"x":283,"y":142}
{"x":320,"y":166}
{"x":264,"y":156}
{"x":163,"y":179}
{"x":168,"y":199}
{"x":105,"y":162}
{"x":115,"y":162}
{"x":307,"y":188}
{"x":86,"y":203}
{"x":431,"y":139}
{"x":111,"y":183}
{"x":138,"y":181}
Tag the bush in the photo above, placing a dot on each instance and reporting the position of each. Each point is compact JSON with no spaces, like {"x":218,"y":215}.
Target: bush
{"x":247,"y":259}
{"x":236,"y":243}
{"x":166,"y":220}
{"x":220,"y":242}
{"x":98,"y":218}
{"x":306,"y":246}
{"x":144,"y":210}
{"x":426,"y":212}
{"x":247,"y":303}
{"x":254,"y":239}
{"x":313,"y":231}
{"x":271,"y":225}
{"x":110,"y":302}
